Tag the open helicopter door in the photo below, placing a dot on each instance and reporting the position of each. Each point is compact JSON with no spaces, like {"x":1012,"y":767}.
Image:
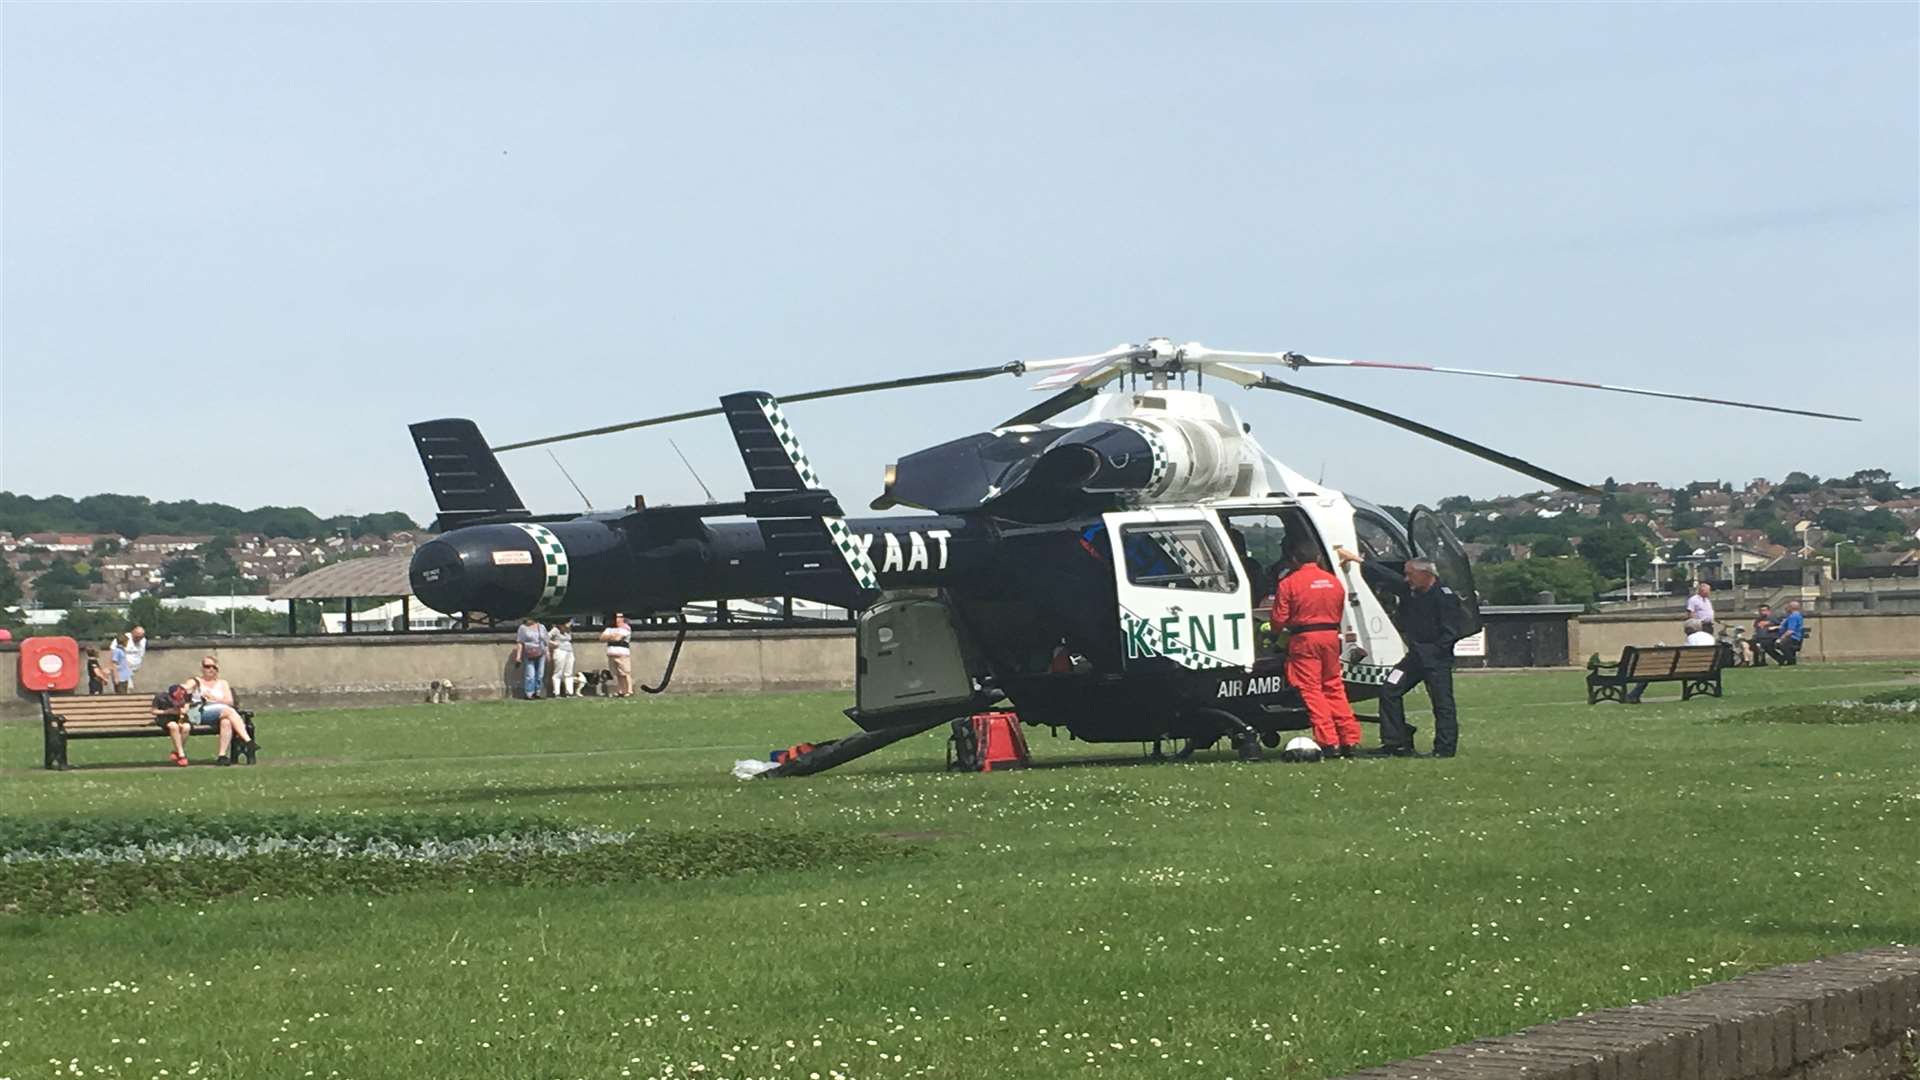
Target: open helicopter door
{"x":1181,"y":596}
{"x":912,"y":659}
{"x":1433,"y":539}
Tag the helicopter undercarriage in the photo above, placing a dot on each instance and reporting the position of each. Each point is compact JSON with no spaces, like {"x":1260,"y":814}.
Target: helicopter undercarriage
{"x":1179,"y":705}
{"x":954,"y":673}
{"x":1187,"y":709}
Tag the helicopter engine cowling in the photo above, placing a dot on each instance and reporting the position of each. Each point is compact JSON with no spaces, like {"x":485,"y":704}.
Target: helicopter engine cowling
{"x":1167,"y":458}
{"x":1192,"y":458}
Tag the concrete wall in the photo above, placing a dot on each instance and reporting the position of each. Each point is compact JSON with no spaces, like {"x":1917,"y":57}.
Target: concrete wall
{"x":375,"y":669}
{"x":1849,"y":1017}
{"x":1840,"y":635}
{"x":1883,"y":594}
{"x":381,"y":669}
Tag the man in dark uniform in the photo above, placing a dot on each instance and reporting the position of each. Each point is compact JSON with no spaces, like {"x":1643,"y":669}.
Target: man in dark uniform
{"x":1431,"y":619}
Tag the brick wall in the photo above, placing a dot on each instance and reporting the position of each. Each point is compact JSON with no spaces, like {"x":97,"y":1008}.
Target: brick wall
{"x":1850,"y":1017}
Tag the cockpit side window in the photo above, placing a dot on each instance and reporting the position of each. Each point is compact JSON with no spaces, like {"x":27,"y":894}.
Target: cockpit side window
{"x":1176,"y":556}
{"x":1379,"y":539}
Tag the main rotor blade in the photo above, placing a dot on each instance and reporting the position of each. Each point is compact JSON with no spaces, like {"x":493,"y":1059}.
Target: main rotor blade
{"x":1073,"y":369}
{"x":965,"y":375}
{"x":1297,"y":361}
{"x":1083,"y":377}
{"x":1485,"y":453}
{"x":1052,"y":407}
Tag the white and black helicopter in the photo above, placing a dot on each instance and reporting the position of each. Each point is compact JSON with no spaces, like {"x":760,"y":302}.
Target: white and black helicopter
{"x":1105,"y":573}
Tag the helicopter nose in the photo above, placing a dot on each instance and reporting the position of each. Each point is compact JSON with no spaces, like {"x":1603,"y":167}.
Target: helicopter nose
{"x":496,"y":569}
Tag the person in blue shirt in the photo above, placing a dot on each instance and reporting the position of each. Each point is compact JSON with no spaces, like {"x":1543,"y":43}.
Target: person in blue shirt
{"x":1793,"y":634}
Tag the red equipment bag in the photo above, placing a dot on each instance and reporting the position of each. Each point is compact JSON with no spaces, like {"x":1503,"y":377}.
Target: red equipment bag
{"x":984,"y":740}
{"x":49,"y":663}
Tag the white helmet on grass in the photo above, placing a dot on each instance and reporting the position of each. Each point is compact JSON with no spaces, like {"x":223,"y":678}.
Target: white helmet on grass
{"x":1301,"y":748}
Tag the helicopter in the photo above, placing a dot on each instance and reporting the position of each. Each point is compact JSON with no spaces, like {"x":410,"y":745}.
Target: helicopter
{"x":1104,"y":573}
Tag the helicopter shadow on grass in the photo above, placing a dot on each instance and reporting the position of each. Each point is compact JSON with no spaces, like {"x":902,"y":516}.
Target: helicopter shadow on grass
{"x":1204,"y":757}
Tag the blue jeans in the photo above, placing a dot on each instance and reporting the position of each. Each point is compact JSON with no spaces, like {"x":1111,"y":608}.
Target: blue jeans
{"x":533,"y":674}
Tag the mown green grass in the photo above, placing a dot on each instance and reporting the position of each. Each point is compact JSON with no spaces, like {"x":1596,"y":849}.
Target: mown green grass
{"x":1209,"y":919}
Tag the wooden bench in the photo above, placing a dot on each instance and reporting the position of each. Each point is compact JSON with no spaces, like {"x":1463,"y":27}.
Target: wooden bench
{"x":1695,"y":667}
{"x":107,"y":716}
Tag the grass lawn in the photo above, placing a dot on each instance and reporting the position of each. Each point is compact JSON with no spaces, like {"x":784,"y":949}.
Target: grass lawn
{"x":1211,"y":919}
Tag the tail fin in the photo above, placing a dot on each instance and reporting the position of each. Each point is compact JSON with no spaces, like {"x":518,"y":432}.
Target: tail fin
{"x":818,"y":554}
{"x":467,"y":481}
{"x":768,"y":446}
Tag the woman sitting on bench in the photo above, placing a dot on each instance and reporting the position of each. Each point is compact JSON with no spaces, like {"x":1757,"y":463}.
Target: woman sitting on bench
{"x":217,"y":706}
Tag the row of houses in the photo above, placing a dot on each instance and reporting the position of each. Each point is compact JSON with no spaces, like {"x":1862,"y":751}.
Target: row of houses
{"x":1706,"y":499}
{"x":132,"y":568}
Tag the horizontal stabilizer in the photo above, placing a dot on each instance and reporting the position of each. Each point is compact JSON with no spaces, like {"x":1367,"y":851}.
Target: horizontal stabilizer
{"x":821,"y":559}
{"x":467,"y":481}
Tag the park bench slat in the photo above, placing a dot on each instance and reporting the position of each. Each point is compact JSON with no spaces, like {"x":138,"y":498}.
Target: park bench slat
{"x":105,"y":716}
{"x":1695,"y":667}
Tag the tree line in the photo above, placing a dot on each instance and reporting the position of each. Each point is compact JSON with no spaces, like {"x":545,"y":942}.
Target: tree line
{"x":133,"y":516}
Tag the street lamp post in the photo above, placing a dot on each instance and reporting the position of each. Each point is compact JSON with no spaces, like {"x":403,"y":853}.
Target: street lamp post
{"x":1836,"y":558}
{"x":1629,"y":579}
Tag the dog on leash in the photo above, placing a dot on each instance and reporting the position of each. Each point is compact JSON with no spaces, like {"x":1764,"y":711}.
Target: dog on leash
{"x":597,"y":683}
{"x":440,"y":691}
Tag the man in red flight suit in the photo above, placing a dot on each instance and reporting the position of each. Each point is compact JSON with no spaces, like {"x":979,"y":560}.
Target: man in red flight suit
{"x":1308,"y":602}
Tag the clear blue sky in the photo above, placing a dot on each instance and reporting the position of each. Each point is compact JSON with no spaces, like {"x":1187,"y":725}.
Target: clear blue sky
{"x":245,"y":245}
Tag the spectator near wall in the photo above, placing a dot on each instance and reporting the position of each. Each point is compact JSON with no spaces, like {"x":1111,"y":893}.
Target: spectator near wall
{"x":1700,"y":606}
{"x":136,"y":653}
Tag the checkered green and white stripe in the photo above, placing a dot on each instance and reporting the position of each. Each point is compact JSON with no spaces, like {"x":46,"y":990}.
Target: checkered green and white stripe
{"x":1186,"y":658}
{"x":1190,"y":561}
{"x":858,"y":561}
{"x":790,"y":443}
{"x":1364,"y":674}
{"x":864,"y":573}
{"x":553,"y":555}
{"x":1162,"y":463}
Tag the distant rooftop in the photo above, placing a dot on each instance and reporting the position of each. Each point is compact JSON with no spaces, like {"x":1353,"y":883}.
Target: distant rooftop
{"x":380,"y":575}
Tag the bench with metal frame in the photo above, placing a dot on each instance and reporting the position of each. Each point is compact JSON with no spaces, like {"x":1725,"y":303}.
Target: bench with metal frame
{"x":110,"y":716}
{"x":1695,"y":667}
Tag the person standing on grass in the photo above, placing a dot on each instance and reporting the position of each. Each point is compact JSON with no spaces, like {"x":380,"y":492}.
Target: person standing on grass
{"x":136,"y":653}
{"x":1431,"y":618}
{"x":530,"y":652}
{"x":1308,"y":603}
{"x":1700,"y":606}
{"x":560,"y":657}
{"x":98,"y":677}
{"x":619,"y":639}
{"x":170,"y":714}
{"x":218,"y":707}
{"x":122,"y":674}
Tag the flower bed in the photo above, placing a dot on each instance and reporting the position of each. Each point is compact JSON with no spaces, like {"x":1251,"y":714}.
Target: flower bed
{"x":1886,"y":707}
{"x":119,"y":864}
